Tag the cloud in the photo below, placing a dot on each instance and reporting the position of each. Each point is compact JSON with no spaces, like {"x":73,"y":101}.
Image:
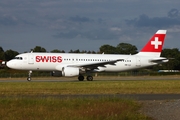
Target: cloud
{"x":85,"y":28}
{"x":80,"y":19}
{"x":94,"y":21}
{"x":93,"y":34}
{"x":173,"y":19}
{"x":67,"y":35}
{"x":8,"y":20}
{"x":173,"y":13}
{"x":116,"y":29}
{"x":101,"y":34}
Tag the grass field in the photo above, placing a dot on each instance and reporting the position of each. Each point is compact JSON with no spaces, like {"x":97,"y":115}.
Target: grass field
{"x":69,"y":109}
{"x":95,"y":87}
{"x":15,"y":104}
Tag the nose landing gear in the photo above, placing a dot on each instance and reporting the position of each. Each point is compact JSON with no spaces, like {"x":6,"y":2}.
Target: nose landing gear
{"x":29,"y":75}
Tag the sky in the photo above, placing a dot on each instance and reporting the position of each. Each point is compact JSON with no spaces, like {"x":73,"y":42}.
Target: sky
{"x":86,"y":24}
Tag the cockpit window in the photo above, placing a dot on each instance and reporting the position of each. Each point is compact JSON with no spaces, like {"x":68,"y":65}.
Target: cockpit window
{"x":18,"y":58}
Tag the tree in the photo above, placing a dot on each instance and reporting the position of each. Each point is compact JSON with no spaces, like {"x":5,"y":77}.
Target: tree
{"x":1,"y":49}
{"x":57,"y":51}
{"x":10,"y":54}
{"x":1,"y":54}
{"x":174,"y":56}
{"x":107,"y":49}
{"x":39,"y":49}
{"x":126,"y":48}
{"x":75,"y":51}
{"x":83,"y":51}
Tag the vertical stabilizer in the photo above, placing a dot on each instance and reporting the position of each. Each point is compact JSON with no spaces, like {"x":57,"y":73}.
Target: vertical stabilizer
{"x":154,"y":45}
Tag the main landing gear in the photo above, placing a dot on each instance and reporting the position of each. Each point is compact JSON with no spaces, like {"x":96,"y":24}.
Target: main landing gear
{"x":80,"y":77}
{"x":29,"y":76}
{"x":89,"y":78}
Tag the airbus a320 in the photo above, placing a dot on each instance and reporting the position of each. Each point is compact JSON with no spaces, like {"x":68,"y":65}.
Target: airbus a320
{"x":68,"y":64}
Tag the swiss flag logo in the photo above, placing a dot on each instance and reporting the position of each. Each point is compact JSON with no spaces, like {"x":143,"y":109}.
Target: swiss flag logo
{"x":155,"y":44}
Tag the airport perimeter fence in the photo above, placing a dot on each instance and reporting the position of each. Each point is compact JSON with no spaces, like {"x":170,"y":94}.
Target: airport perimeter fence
{"x":48,"y":74}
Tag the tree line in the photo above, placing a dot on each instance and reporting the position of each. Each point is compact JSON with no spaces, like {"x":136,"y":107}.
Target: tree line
{"x":122,"y":48}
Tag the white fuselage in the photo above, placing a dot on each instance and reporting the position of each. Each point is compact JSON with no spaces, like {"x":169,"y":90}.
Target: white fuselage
{"x":56,"y":61}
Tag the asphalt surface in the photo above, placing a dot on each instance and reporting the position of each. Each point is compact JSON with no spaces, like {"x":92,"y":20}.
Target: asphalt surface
{"x":138,"y":97}
{"x":97,"y":78}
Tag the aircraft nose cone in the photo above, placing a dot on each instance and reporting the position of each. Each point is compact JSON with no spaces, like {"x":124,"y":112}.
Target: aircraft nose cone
{"x":10,"y":64}
{"x":13,"y":64}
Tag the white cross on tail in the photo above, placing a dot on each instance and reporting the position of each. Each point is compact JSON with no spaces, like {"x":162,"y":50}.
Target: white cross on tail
{"x":156,"y":43}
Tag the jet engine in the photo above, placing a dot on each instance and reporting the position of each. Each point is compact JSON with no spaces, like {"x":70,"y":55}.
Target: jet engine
{"x":70,"y":71}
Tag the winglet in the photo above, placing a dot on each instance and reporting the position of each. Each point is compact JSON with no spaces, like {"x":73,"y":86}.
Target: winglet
{"x":154,"y":45}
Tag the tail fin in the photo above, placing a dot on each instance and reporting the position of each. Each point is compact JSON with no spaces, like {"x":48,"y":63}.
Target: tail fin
{"x":154,"y":45}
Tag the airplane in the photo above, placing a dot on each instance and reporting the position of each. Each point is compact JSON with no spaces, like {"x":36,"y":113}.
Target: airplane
{"x":72,"y":64}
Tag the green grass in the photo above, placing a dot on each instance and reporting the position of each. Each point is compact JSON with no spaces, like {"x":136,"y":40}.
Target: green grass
{"x":69,"y":109}
{"x":95,"y":87}
{"x":24,"y":100}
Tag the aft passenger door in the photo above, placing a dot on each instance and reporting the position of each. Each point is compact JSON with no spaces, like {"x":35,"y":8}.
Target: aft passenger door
{"x":138,"y":62}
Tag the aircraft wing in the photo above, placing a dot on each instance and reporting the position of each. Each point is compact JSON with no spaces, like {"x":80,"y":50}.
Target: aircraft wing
{"x":95,"y":65}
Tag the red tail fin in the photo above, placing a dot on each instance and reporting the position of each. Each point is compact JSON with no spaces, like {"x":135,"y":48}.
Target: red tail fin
{"x":155,"y":44}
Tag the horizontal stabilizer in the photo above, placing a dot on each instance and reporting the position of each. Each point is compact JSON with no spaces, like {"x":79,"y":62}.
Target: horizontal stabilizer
{"x":159,"y":60}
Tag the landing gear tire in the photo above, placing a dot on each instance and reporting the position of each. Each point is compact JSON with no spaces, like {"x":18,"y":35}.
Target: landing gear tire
{"x":81,"y":78}
{"x":28,"y":78}
{"x":89,"y":78}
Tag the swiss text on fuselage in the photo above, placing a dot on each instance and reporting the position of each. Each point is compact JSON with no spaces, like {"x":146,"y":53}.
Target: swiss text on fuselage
{"x":53,"y":59}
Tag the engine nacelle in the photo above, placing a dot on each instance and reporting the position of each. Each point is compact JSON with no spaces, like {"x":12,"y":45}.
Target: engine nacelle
{"x":56,"y":73}
{"x":70,"y":71}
